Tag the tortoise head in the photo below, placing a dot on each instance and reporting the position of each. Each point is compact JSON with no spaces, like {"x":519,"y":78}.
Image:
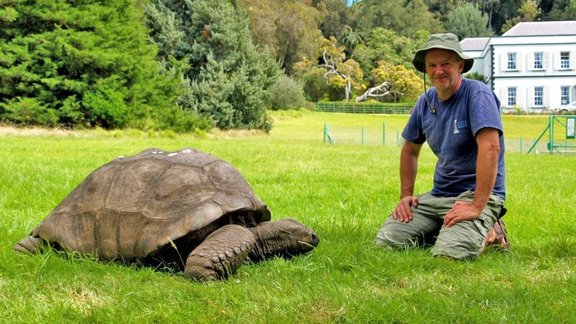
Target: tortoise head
{"x":286,"y":238}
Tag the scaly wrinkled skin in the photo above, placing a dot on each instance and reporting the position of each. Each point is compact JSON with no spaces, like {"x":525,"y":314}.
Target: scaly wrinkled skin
{"x":220,"y":255}
{"x":285,"y":238}
{"x":225,"y":250}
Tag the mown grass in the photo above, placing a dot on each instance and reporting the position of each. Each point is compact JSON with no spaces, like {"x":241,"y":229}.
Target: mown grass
{"x":344,"y":192}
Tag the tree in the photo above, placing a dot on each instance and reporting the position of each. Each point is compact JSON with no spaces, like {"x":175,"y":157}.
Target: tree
{"x":406,"y":18}
{"x":311,"y":75}
{"x":341,"y":73}
{"x":467,"y":21}
{"x":441,"y":8}
{"x":563,"y":10}
{"x":288,"y":29}
{"x":503,"y":11}
{"x":286,"y":93}
{"x":405,"y":85}
{"x":487,"y":8}
{"x":350,"y":38}
{"x":527,"y":12}
{"x":476,"y":76}
{"x":386,"y":45}
{"x":229,"y":76}
{"x":379,"y":91}
{"x":334,"y":17}
{"x":80,"y":64}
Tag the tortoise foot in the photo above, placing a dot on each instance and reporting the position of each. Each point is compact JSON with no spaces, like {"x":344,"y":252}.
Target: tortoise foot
{"x":221,"y":254}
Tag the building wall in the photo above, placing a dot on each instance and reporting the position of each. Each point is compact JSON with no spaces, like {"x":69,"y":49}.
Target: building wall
{"x":525,"y":78}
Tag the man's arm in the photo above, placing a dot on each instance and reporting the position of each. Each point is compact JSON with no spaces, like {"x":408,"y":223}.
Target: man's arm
{"x":486,"y":171}
{"x":408,"y":170}
{"x":486,"y":166}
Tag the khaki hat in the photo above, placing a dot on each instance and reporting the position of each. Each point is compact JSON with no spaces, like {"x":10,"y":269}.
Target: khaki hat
{"x":447,"y":41}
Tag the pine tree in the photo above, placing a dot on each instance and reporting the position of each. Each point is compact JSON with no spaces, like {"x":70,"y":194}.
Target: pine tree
{"x":86,"y":63}
{"x":228,"y":75}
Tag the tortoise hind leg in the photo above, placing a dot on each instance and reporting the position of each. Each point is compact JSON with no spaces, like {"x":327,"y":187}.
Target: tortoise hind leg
{"x":220,"y":254}
{"x":30,"y":244}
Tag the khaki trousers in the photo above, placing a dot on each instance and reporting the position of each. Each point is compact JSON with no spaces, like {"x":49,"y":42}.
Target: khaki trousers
{"x":461,"y":241}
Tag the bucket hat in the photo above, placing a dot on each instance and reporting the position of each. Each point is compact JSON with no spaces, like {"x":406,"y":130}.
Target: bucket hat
{"x":446,"y":41}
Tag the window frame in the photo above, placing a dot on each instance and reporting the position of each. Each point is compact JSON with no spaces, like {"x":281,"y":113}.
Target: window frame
{"x":538,"y":96}
{"x":512,"y":99}
{"x":564,"y":60}
{"x":564,"y":95}
{"x":538,"y":61}
{"x":512,"y":61}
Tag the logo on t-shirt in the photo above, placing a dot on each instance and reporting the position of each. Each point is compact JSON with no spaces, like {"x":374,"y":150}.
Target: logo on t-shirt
{"x":459,"y":125}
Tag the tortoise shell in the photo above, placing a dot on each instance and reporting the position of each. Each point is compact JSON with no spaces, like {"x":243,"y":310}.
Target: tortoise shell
{"x":133,"y":207}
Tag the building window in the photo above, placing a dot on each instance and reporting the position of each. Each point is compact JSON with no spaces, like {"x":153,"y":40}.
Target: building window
{"x":538,"y":61}
{"x":511,"y":61}
{"x":564,"y":95}
{"x":511,"y":97}
{"x":538,"y":96}
{"x":564,"y":60}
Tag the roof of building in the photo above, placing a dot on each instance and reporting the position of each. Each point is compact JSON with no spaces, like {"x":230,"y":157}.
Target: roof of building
{"x":533,"y":28}
{"x":474,"y":44}
{"x":543,"y":28}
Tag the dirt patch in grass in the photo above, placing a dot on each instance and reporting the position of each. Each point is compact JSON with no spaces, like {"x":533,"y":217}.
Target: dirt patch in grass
{"x":6,"y":131}
{"x":37,"y":131}
{"x":217,"y":133}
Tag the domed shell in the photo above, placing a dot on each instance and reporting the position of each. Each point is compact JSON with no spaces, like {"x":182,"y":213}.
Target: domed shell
{"x":133,"y":206}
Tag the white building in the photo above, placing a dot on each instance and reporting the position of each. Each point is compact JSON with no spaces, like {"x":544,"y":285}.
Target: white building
{"x":532,"y":66}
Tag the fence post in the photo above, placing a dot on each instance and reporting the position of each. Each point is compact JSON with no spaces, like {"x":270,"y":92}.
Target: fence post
{"x":551,"y":134}
{"x":327,"y":135}
{"x":384,"y":134}
{"x":362,"y":135}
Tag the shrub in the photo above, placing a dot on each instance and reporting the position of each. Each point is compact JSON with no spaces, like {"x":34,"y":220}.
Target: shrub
{"x":315,"y":87}
{"x":286,"y":93}
{"x":184,"y":121}
{"x":28,"y":111}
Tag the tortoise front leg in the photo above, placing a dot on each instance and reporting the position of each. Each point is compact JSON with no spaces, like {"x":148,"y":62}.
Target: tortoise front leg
{"x":221,"y":254}
{"x":30,"y":244}
{"x":286,"y":238}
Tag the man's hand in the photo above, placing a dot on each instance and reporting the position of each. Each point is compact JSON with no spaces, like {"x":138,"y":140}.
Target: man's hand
{"x":402,"y":211}
{"x":461,"y":211}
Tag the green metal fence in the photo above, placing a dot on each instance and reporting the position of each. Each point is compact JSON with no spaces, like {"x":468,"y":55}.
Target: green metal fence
{"x":563,"y":142}
{"x":361,"y":135}
{"x":392,"y":137}
{"x":363,"y":108}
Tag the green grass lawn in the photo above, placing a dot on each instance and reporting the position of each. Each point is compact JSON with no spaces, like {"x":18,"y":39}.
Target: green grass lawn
{"x":344,"y":192}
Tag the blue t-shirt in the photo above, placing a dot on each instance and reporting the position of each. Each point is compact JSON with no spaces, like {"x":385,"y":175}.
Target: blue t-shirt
{"x":450,"y":128}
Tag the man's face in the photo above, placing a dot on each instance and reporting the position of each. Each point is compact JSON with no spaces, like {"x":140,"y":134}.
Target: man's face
{"x":444,"y":69}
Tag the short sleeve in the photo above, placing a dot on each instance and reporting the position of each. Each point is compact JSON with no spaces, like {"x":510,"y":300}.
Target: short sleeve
{"x":484,"y":110}
{"x":413,"y":131}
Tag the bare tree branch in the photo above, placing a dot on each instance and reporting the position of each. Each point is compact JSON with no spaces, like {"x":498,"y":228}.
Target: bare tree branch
{"x":380,"y":90}
{"x":331,"y":66}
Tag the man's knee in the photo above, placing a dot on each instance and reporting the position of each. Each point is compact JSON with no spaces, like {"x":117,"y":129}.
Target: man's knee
{"x":455,"y":252}
{"x":457,"y":247}
{"x":388,"y":236}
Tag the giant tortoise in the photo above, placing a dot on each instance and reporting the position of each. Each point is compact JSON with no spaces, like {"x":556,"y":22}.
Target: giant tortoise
{"x":186,"y":209}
